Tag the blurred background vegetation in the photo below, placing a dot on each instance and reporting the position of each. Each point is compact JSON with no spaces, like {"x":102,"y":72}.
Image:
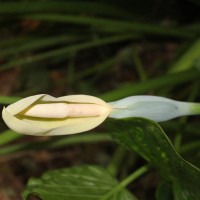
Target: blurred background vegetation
{"x":110,"y":49}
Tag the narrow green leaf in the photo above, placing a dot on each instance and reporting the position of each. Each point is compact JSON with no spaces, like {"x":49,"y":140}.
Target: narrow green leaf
{"x":38,"y":43}
{"x":52,"y":143}
{"x":8,"y":136}
{"x":8,"y":99}
{"x":97,"y":8}
{"x":64,"y":51}
{"x":156,"y":83}
{"x":77,"y":183}
{"x":188,"y":59}
{"x":148,"y":139}
{"x":117,"y":25}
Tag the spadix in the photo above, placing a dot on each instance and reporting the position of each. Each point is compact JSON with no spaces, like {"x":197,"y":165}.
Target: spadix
{"x":64,"y":110}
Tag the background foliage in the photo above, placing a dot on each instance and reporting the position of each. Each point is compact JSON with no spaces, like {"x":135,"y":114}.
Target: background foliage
{"x":109,"y":49}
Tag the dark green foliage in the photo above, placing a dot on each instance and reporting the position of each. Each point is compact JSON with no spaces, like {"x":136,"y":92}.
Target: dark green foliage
{"x":147,"y":139}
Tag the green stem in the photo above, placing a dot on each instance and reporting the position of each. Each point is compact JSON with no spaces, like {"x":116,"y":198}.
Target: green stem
{"x":195,"y":108}
{"x":126,"y":181}
{"x":192,"y":96}
{"x":177,"y":142}
{"x":138,"y":65}
{"x":116,"y":161}
{"x":190,"y":147}
{"x":188,"y":59}
{"x":8,"y":100}
{"x":8,"y":136}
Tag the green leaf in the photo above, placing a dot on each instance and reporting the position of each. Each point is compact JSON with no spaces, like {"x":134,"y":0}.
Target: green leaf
{"x":188,"y":60}
{"x":64,"y":50}
{"x":115,"y":25}
{"x":164,"y":191}
{"x":77,"y":183}
{"x":78,"y":7}
{"x":148,"y":139}
{"x":151,"y":84}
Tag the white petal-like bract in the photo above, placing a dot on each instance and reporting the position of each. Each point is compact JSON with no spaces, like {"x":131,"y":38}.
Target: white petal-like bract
{"x":152,"y":107}
{"x":46,"y":115}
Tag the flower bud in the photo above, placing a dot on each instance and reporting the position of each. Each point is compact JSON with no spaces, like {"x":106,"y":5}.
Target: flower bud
{"x":152,"y":107}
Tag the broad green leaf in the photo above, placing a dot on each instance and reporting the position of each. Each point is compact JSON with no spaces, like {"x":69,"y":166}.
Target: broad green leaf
{"x":77,"y":183}
{"x":148,"y":139}
{"x":164,"y":191}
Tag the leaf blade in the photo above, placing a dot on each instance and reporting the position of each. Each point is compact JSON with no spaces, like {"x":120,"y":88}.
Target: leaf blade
{"x":80,"y":183}
{"x":149,"y":140}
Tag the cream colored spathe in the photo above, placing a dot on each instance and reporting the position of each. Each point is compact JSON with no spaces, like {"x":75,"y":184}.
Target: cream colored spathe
{"x":46,"y":115}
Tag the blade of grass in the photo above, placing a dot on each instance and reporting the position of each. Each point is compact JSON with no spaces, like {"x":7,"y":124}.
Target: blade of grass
{"x":116,"y":161}
{"x":65,"y":50}
{"x":99,"y":68}
{"x":97,"y":8}
{"x":39,"y":43}
{"x":8,"y":99}
{"x":8,"y":136}
{"x":136,"y":174}
{"x":190,"y":147}
{"x":187,"y":60}
{"x":9,"y":42}
{"x":116,"y":24}
{"x":54,"y":143}
{"x":138,"y":65}
{"x":156,"y":83}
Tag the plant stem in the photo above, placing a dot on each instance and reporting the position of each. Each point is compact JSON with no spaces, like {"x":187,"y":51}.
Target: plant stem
{"x":190,"y":147}
{"x":8,"y":100}
{"x":138,"y":65}
{"x":117,"y":158}
{"x":195,"y":108}
{"x":126,"y":181}
{"x":8,"y":136}
{"x":177,"y":142}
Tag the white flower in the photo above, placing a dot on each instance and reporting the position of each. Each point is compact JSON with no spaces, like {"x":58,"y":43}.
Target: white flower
{"x":46,"y":115}
{"x":152,"y":107}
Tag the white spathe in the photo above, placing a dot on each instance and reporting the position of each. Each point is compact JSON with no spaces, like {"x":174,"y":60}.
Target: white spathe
{"x":16,"y":119}
{"x":152,"y":107}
